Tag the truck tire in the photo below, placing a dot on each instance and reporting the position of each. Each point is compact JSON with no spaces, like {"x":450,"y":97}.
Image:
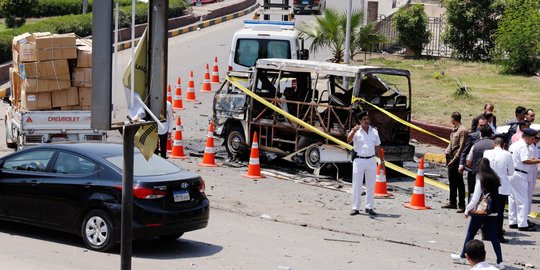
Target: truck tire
{"x":235,"y":142}
{"x":312,"y":157}
{"x":12,"y":144}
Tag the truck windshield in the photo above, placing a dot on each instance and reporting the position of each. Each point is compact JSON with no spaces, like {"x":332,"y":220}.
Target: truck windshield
{"x":249,"y":50}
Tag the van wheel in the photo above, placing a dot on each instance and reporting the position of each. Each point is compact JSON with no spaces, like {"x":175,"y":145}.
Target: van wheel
{"x":97,"y":231}
{"x":312,"y":157}
{"x":12,"y":144}
{"x":235,"y":141}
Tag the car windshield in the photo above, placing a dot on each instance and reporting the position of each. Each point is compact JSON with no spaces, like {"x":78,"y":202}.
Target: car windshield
{"x":155,"y":166}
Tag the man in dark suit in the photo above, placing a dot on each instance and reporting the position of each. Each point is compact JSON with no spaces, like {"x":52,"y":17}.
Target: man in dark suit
{"x":488,"y":115}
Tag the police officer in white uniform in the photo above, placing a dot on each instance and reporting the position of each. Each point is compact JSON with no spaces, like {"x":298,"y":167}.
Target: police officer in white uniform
{"x":501,"y":162}
{"x":523,"y":163}
{"x":366,"y":143}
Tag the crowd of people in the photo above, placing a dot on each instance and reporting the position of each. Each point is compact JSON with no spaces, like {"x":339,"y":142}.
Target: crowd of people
{"x":500,"y":166}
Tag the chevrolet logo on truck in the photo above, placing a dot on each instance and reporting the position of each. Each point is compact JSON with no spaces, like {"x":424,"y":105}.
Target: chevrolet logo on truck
{"x":63,"y":119}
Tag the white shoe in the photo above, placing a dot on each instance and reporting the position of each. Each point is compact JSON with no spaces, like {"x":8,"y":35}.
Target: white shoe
{"x":457,"y":259}
{"x":500,"y":265}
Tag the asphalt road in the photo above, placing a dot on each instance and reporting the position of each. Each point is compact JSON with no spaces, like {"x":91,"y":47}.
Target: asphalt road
{"x":286,"y":222}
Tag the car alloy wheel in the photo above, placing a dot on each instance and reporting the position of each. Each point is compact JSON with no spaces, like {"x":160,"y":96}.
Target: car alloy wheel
{"x":98,"y":231}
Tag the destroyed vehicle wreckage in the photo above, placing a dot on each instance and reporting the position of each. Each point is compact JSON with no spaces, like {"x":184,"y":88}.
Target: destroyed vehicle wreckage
{"x":313,"y":92}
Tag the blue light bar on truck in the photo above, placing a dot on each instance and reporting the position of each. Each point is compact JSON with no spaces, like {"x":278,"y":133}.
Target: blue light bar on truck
{"x":283,"y":25}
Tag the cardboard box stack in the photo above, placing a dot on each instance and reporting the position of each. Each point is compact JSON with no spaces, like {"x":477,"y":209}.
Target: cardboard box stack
{"x":51,"y":72}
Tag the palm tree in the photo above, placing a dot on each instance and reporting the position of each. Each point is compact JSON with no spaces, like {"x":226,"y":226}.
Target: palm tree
{"x":328,"y":31}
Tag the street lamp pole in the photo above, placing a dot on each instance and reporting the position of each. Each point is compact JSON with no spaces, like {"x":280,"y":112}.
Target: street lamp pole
{"x":348,"y":42}
{"x":348,"y":34}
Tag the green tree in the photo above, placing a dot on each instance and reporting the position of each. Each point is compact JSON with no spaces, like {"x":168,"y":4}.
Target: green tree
{"x":411,"y":22}
{"x":16,"y":11}
{"x":328,"y":31}
{"x":365,"y":39}
{"x":517,"y":40}
{"x":470,"y":28}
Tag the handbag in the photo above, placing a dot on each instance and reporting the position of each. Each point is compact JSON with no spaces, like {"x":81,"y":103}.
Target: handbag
{"x":483,"y":207}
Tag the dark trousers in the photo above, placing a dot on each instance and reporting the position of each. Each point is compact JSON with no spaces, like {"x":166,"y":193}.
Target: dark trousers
{"x":162,"y":149}
{"x":490,"y":226}
{"x":457,"y":187}
{"x":471,"y":182}
{"x":503,"y":200}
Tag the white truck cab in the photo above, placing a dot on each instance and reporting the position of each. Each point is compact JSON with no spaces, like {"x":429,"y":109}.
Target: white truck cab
{"x":265,"y":39}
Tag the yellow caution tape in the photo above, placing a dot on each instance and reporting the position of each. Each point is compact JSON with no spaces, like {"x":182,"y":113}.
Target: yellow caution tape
{"x":354,"y":99}
{"x":394,"y":167}
{"x":347,"y":146}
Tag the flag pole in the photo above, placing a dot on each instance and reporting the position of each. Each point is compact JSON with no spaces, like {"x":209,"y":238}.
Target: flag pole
{"x":150,"y":112}
{"x":132,"y":99}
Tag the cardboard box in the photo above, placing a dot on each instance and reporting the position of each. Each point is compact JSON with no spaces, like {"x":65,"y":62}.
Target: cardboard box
{"x":21,"y":39}
{"x":51,"y":70}
{"x":43,"y":85}
{"x":36,"y":101}
{"x":65,"y":97}
{"x":44,"y":41}
{"x":84,"y":56}
{"x":82,"y":77}
{"x":85,"y":96}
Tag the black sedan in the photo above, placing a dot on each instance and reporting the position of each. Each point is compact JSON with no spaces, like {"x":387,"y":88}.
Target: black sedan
{"x":77,"y":188}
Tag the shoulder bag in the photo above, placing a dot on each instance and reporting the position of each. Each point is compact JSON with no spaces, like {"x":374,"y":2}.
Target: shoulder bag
{"x":483,"y":207}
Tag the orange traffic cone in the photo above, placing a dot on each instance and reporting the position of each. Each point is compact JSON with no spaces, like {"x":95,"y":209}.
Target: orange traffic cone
{"x":178,"y":105}
{"x":169,"y":94}
{"x":418,"y":200}
{"x":178,"y":147}
{"x":206,"y":87}
{"x":380,"y":184}
{"x":190,"y":96}
{"x":254,"y":167}
{"x":209,"y":152}
{"x":215,"y":72}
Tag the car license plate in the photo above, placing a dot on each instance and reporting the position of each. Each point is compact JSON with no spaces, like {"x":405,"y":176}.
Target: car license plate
{"x":305,"y":2}
{"x":181,"y":195}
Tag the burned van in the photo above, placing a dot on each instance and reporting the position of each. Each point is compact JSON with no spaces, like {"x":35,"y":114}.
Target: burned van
{"x":324,"y":95}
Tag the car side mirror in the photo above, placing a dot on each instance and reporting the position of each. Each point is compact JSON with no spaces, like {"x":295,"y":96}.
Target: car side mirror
{"x":304,"y":54}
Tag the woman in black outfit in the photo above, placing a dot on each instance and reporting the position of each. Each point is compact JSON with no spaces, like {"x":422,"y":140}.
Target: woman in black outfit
{"x":487,"y":181}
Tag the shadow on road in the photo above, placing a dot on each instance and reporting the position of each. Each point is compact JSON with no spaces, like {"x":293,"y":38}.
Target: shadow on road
{"x":179,"y":249}
{"x":151,"y":248}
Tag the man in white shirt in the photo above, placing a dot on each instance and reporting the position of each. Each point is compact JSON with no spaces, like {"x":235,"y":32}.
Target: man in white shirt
{"x":501,"y":162}
{"x":165,"y":132}
{"x":518,"y":208}
{"x":367,"y":144}
{"x":476,"y":255}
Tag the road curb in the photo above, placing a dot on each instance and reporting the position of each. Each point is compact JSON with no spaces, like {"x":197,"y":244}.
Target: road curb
{"x":194,"y":27}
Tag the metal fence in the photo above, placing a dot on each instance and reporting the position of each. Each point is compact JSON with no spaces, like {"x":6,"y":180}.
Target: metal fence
{"x":435,"y":47}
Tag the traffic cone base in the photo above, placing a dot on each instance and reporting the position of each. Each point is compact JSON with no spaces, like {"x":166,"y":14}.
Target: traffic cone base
{"x":418,"y":201}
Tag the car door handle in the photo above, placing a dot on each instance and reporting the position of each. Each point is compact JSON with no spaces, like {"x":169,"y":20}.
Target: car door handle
{"x":34,"y":183}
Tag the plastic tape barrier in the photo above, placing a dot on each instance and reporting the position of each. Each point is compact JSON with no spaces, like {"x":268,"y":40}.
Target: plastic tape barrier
{"x":394,"y":167}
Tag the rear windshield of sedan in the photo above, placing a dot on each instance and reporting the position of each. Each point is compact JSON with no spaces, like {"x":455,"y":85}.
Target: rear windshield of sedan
{"x":155,"y":166}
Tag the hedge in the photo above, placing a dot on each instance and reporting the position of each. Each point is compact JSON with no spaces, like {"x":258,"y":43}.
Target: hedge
{"x":80,"y":24}
{"x":49,"y":8}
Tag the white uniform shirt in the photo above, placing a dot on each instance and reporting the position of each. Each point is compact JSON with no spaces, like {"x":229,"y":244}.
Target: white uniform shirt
{"x":520,"y":152}
{"x":168,"y":124}
{"x":483,"y":265}
{"x":364,"y":143}
{"x":501,"y":162}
